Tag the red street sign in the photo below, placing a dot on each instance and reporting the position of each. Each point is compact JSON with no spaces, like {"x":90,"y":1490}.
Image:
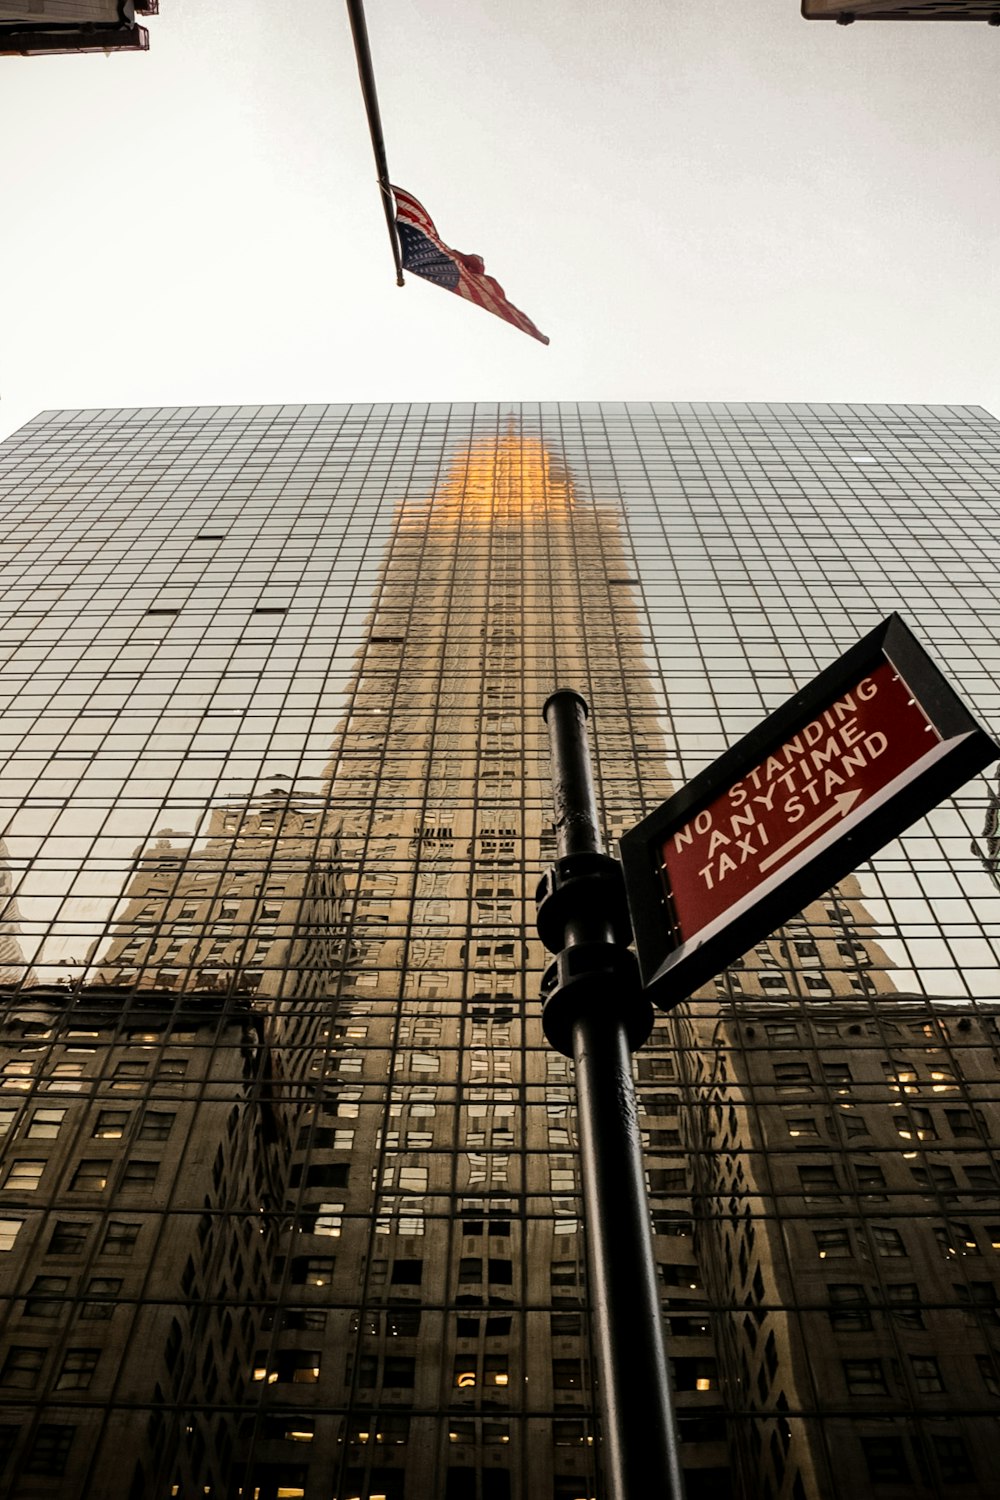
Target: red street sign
{"x":877,"y":740}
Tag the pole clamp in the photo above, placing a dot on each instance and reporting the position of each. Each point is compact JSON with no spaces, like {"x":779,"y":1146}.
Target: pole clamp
{"x":582,"y":887}
{"x":589,"y":976}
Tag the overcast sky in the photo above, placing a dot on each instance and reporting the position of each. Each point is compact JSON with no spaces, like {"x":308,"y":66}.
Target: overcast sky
{"x":695,"y":199}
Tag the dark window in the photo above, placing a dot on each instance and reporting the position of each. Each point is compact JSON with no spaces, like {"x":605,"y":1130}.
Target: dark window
{"x":818,"y":1182}
{"x":953,"y":1460}
{"x":886,"y":1459}
{"x":988,"y":1372}
{"x":567,"y":1374}
{"x":407,"y":1272}
{"x":140,"y":1174}
{"x":50,"y":1450}
{"x":849,"y":1307}
{"x":667,"y":1180}
{"x":47,"y":1297}
{"x":120,"y":1238}
{"x":156,"y":1125}
{"x":402,"y":1322}
{"x":104,"y":1292}
{"x":926,"y":1374}
{"x":865,"y":1377}
{"x":399,"y":1370}
{"x":77,"y":1371}
{"x":68,"y":1237}
{"x":904,"y":1304}
{"x":22,"y":1367}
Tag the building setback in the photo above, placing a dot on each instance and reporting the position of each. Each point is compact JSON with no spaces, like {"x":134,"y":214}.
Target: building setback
{"x":289,"y":1200}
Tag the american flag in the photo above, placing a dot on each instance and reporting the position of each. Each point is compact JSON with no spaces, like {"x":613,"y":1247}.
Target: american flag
{"x":425,"y":254}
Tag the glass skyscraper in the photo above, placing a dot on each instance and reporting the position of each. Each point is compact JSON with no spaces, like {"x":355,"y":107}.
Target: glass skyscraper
{"x":289,"y":1199}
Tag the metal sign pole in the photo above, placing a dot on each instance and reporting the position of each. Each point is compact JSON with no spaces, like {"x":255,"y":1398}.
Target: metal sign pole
{"x":596,"y":1013}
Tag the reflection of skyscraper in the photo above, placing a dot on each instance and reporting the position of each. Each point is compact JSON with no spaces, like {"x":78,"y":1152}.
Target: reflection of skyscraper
{"x":12,"y":966}
{"x":358,"y":1236}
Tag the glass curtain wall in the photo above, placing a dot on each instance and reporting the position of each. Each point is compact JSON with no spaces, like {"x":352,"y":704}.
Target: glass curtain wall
{"x":289,"y":1198}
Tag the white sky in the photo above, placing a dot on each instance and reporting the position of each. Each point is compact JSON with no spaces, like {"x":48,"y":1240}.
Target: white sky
{"x":695,"y":199}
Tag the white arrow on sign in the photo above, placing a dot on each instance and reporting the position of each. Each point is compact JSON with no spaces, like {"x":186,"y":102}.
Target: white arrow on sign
{"x":839,"y":808}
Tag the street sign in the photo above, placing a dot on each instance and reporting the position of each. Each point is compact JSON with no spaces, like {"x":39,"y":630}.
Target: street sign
{"x":874,"y":742}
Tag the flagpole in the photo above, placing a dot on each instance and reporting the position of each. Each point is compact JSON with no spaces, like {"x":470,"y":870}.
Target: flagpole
{"x":359,"y":29}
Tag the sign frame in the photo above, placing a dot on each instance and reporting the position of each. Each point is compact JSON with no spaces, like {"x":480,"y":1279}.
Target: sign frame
{"x":673,"y":967}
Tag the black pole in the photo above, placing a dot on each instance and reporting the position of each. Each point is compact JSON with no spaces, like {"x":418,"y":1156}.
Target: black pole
{"x":359,"y":30}
{"x":596,"y":1013}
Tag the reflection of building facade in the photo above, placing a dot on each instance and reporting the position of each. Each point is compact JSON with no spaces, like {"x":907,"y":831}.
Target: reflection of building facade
{"x":34,"y":27}
{"x":846,"y":11}
{"x":356,"y":1249}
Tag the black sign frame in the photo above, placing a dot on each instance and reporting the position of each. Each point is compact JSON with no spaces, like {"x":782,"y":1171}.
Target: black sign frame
{"x":673,"y":969}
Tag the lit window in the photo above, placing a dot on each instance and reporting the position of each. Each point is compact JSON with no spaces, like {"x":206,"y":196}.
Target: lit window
{"x":111,"y":1124}
{"x":45,"y":1123}
{"x":25,"y":1176}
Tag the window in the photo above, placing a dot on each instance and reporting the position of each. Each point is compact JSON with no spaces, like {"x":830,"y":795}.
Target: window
{"x":120,"y":1238}
{"x":156,"y":1125}
{"x":45,"y":1124}
{"x":7,"y":1118}
{"x":567,"y":1374}
{"x":904,"y":1305}
{"x":126,"y":1074}
{"x":399,"y":1371}
{"x":111,"y":1124}
{"x":103,"y":1292}
{"x":22,"y":1367}
{"x":980,"y":1301}
{"x":47,"y":1297}
{"x":865,"y":1377}
{"x":140,"y":1174}
{"x":77,"y":1371}
{"x":91,"y":1176}
{"x":886,"y":1459}
{"x":871,"y":1180}
{"x":24,"y":1176}
{"x":818,"y":1183}
{"x":8,"y":1232}
{"x":790,"y":1077}
{"x":953,"y":1460}
{"x":68,"y":1237}
{"x":888,"y":1242}
{"x":960,"y":1122}
{"x":988,"y":1373}
{"x":50,"y":1451}
{"x":407,"y":1272}
{"x":849,"y":1311}
{"x":313,"y":1270}
{"x":926,"y":1374}
{"x":832,"y":1243}
{"x":290,"y":1366}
